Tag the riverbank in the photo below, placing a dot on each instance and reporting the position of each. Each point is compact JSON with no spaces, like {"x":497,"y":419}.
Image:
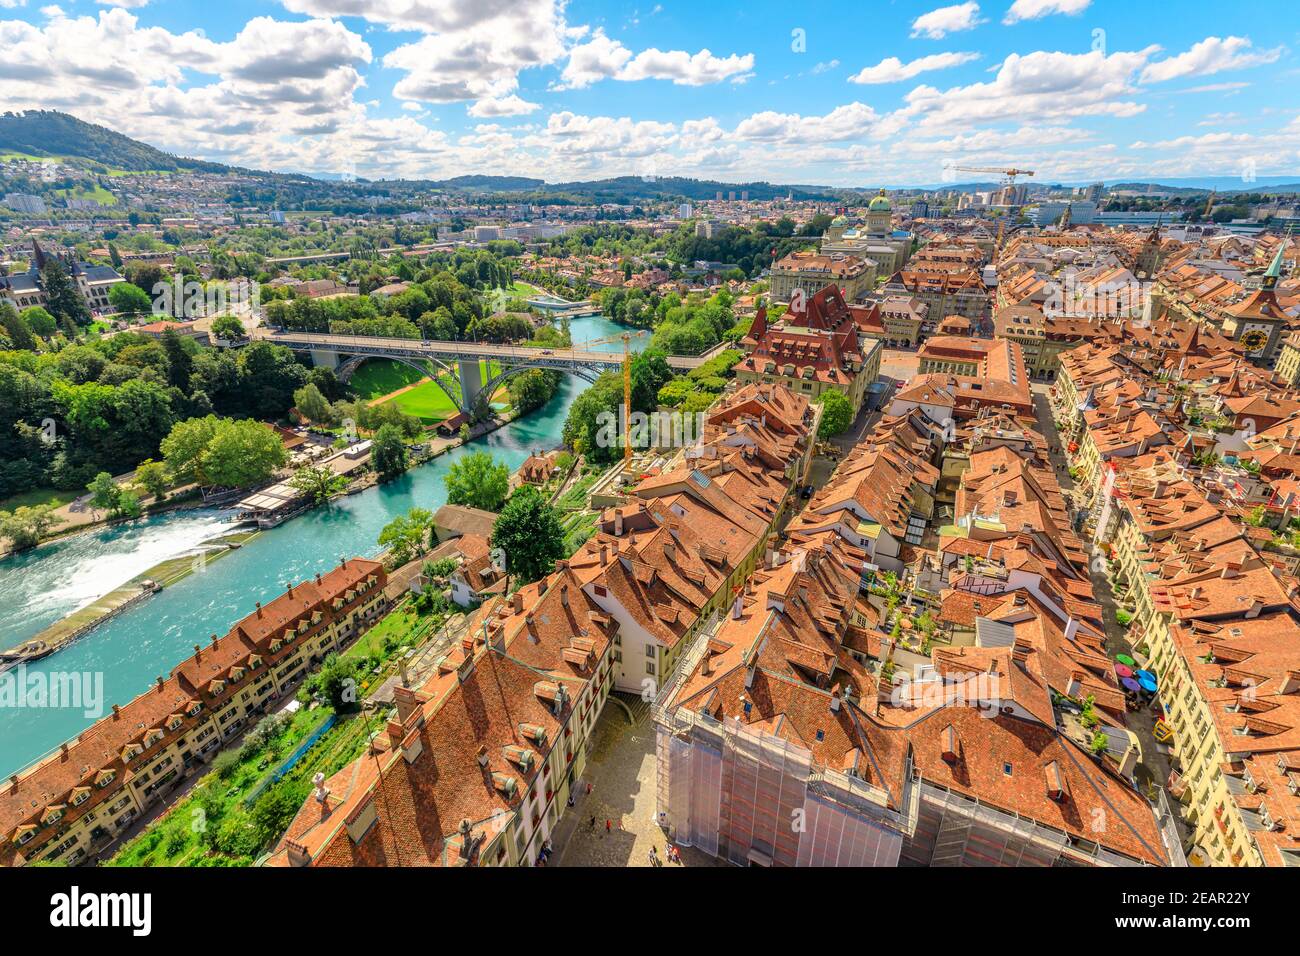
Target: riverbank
{"x":134,"y":647}
{"x":84,"y":620}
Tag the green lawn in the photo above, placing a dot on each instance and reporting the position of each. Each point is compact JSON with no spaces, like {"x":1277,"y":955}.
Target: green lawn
{"x":524,"y":288}
{"x":378,"y":377}
{"x":38,"y":496}
{"x":98,"y":193}
{"x":426,"y":401}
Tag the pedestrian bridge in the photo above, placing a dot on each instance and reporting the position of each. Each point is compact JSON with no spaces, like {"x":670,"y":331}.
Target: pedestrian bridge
{"x":454,"y":366}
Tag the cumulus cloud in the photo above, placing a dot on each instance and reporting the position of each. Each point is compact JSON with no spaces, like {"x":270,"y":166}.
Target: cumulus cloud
{"x":511,"y":105}
{"x":1036,"y":9}
{"x":1036,"y":86}
{"x":937,"y":24}
{"x":603,"y":58}
{"x":892,"y":69}
{"x":1211,"y":55}
{"x":851,"y":121}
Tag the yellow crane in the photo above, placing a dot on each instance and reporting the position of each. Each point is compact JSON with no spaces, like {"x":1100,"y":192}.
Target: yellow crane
{"x":1010,"y":174}
{"x":1209,"y":203}
{"x":626,"y":338}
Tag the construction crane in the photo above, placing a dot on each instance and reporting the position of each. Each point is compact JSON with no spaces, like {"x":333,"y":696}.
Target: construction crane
{"x":1010,"y":174}
{"x":1209,"y":203}
{"x":626,"y":338}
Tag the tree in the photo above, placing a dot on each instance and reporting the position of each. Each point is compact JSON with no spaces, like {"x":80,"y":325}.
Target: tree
{"x":152,"y":477}
{"x":477,"y":481}
{"x":129,"y":299}
{"x":837,"y":413}
{"x":128,"y":504}
{"x":62,"y":297}
{"x":528,"y":532}
{"x":318,"y":482}
{"x":104,"y":492}
{"x":39,"y":321}
{"x":405,"y":535}
{"x":222,"y":451}
{"x":388,"y":453}
{"x":227,"y":328}
{"x":26,"y":526}
{"x":312,"y":405}
{"x":16,"y":330}
{"x":242,"y":453}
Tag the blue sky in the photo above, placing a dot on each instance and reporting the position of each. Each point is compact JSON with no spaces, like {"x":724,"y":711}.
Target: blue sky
{"x":852,"y":93}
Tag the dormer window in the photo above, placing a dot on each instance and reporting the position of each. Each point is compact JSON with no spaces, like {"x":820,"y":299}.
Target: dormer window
{"x":276,"y":645}
{"x":105,"y":777}
{"x":80,"y":796}
{"x":130,"y":752}
{"x":175,"y":722}
{"x":24,"y":834}
{"x":52,"y":815}
{"x":194,"y":708}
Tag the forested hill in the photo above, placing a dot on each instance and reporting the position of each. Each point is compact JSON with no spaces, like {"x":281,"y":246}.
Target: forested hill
{"x":54,"y":134}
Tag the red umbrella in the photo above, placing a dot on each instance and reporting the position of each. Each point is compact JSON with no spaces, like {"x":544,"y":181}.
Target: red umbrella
{"x":1123,"y":671}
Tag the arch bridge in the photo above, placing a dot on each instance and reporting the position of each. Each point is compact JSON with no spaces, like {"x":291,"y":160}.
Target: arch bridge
{"x":455,"y":366}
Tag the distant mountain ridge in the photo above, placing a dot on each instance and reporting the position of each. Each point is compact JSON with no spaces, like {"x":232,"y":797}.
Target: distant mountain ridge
{"x":56,"y":134}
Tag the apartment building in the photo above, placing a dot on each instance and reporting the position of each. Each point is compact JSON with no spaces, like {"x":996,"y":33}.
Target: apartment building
{"x":72,"y":803}
{"x":807,"y":272}
{"x":812,"y":350}
{"x":476,"y":766}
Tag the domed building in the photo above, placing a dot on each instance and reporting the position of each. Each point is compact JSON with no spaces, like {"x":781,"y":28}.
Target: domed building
{"x":875,"y":240}
{"x":879,"y":212}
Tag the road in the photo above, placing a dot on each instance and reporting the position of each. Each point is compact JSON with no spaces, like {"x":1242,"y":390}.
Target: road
{"x":1154,"y":767}
{"x":455,"y":351}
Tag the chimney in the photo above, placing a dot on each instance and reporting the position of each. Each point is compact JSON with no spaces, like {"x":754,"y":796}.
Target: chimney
{"x":1159,"y":490}
{"x":318,"y":577}
{"x":160,"y":682}
{"x":117,"y":712}
{"x":259,"y":608}
{"x":1128,"y":762}
{"x":198,"y":653}
{"x":564,"y":595}
{"x":1290,"y":683}
{"x":1020,"y":651}
{"x":950,"y":743}
{"x":835,"y":699}
{"x":670,"y":551}
{"x":618,"y":522}
{"x":604,"y":554}
{"x":736,"y":607}
{"x":214,"y":640}
{"x":320,"y":791}
{"x":482,"y":756}
{"x":290,"y":590}
{"x":13,"y":783}
{"x":63,"y":752}
{"x":297,"y":853}
{"x":518,"y":601}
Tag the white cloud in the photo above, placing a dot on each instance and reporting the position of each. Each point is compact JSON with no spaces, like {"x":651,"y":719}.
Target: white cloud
{"x":604,"y":58}
{"x":851,"y":121}
{"x":1036,"y":9}
{"x":892,"y":69}
{"x":937,"y":24}
{"x":470,"y":49}
{"x":128,"y":4}
{"x":1211,"y":55}
{"x":1036,"y":86}
{"x":511,"y":105}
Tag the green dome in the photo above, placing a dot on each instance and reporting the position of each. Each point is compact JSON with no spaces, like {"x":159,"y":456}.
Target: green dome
{"x":880,"y":203}
{"x":838,"y":221}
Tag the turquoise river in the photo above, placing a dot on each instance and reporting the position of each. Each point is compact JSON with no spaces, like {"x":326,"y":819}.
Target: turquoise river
{"x":146,"y":641}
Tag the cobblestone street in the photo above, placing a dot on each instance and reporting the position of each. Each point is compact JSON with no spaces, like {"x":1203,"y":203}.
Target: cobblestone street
{"x":621,"y":770}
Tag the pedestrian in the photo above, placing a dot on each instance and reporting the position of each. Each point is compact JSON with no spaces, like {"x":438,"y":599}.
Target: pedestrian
{"x":593,"y":823}
{"x":588,"y":788}
{"x":607,"y":824}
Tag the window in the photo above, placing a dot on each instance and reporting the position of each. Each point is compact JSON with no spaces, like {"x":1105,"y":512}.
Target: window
{"x":600,"y":591}
{"x":1006,"y":768}
{"x":649,"y":650}
{"x":649,"y":667}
